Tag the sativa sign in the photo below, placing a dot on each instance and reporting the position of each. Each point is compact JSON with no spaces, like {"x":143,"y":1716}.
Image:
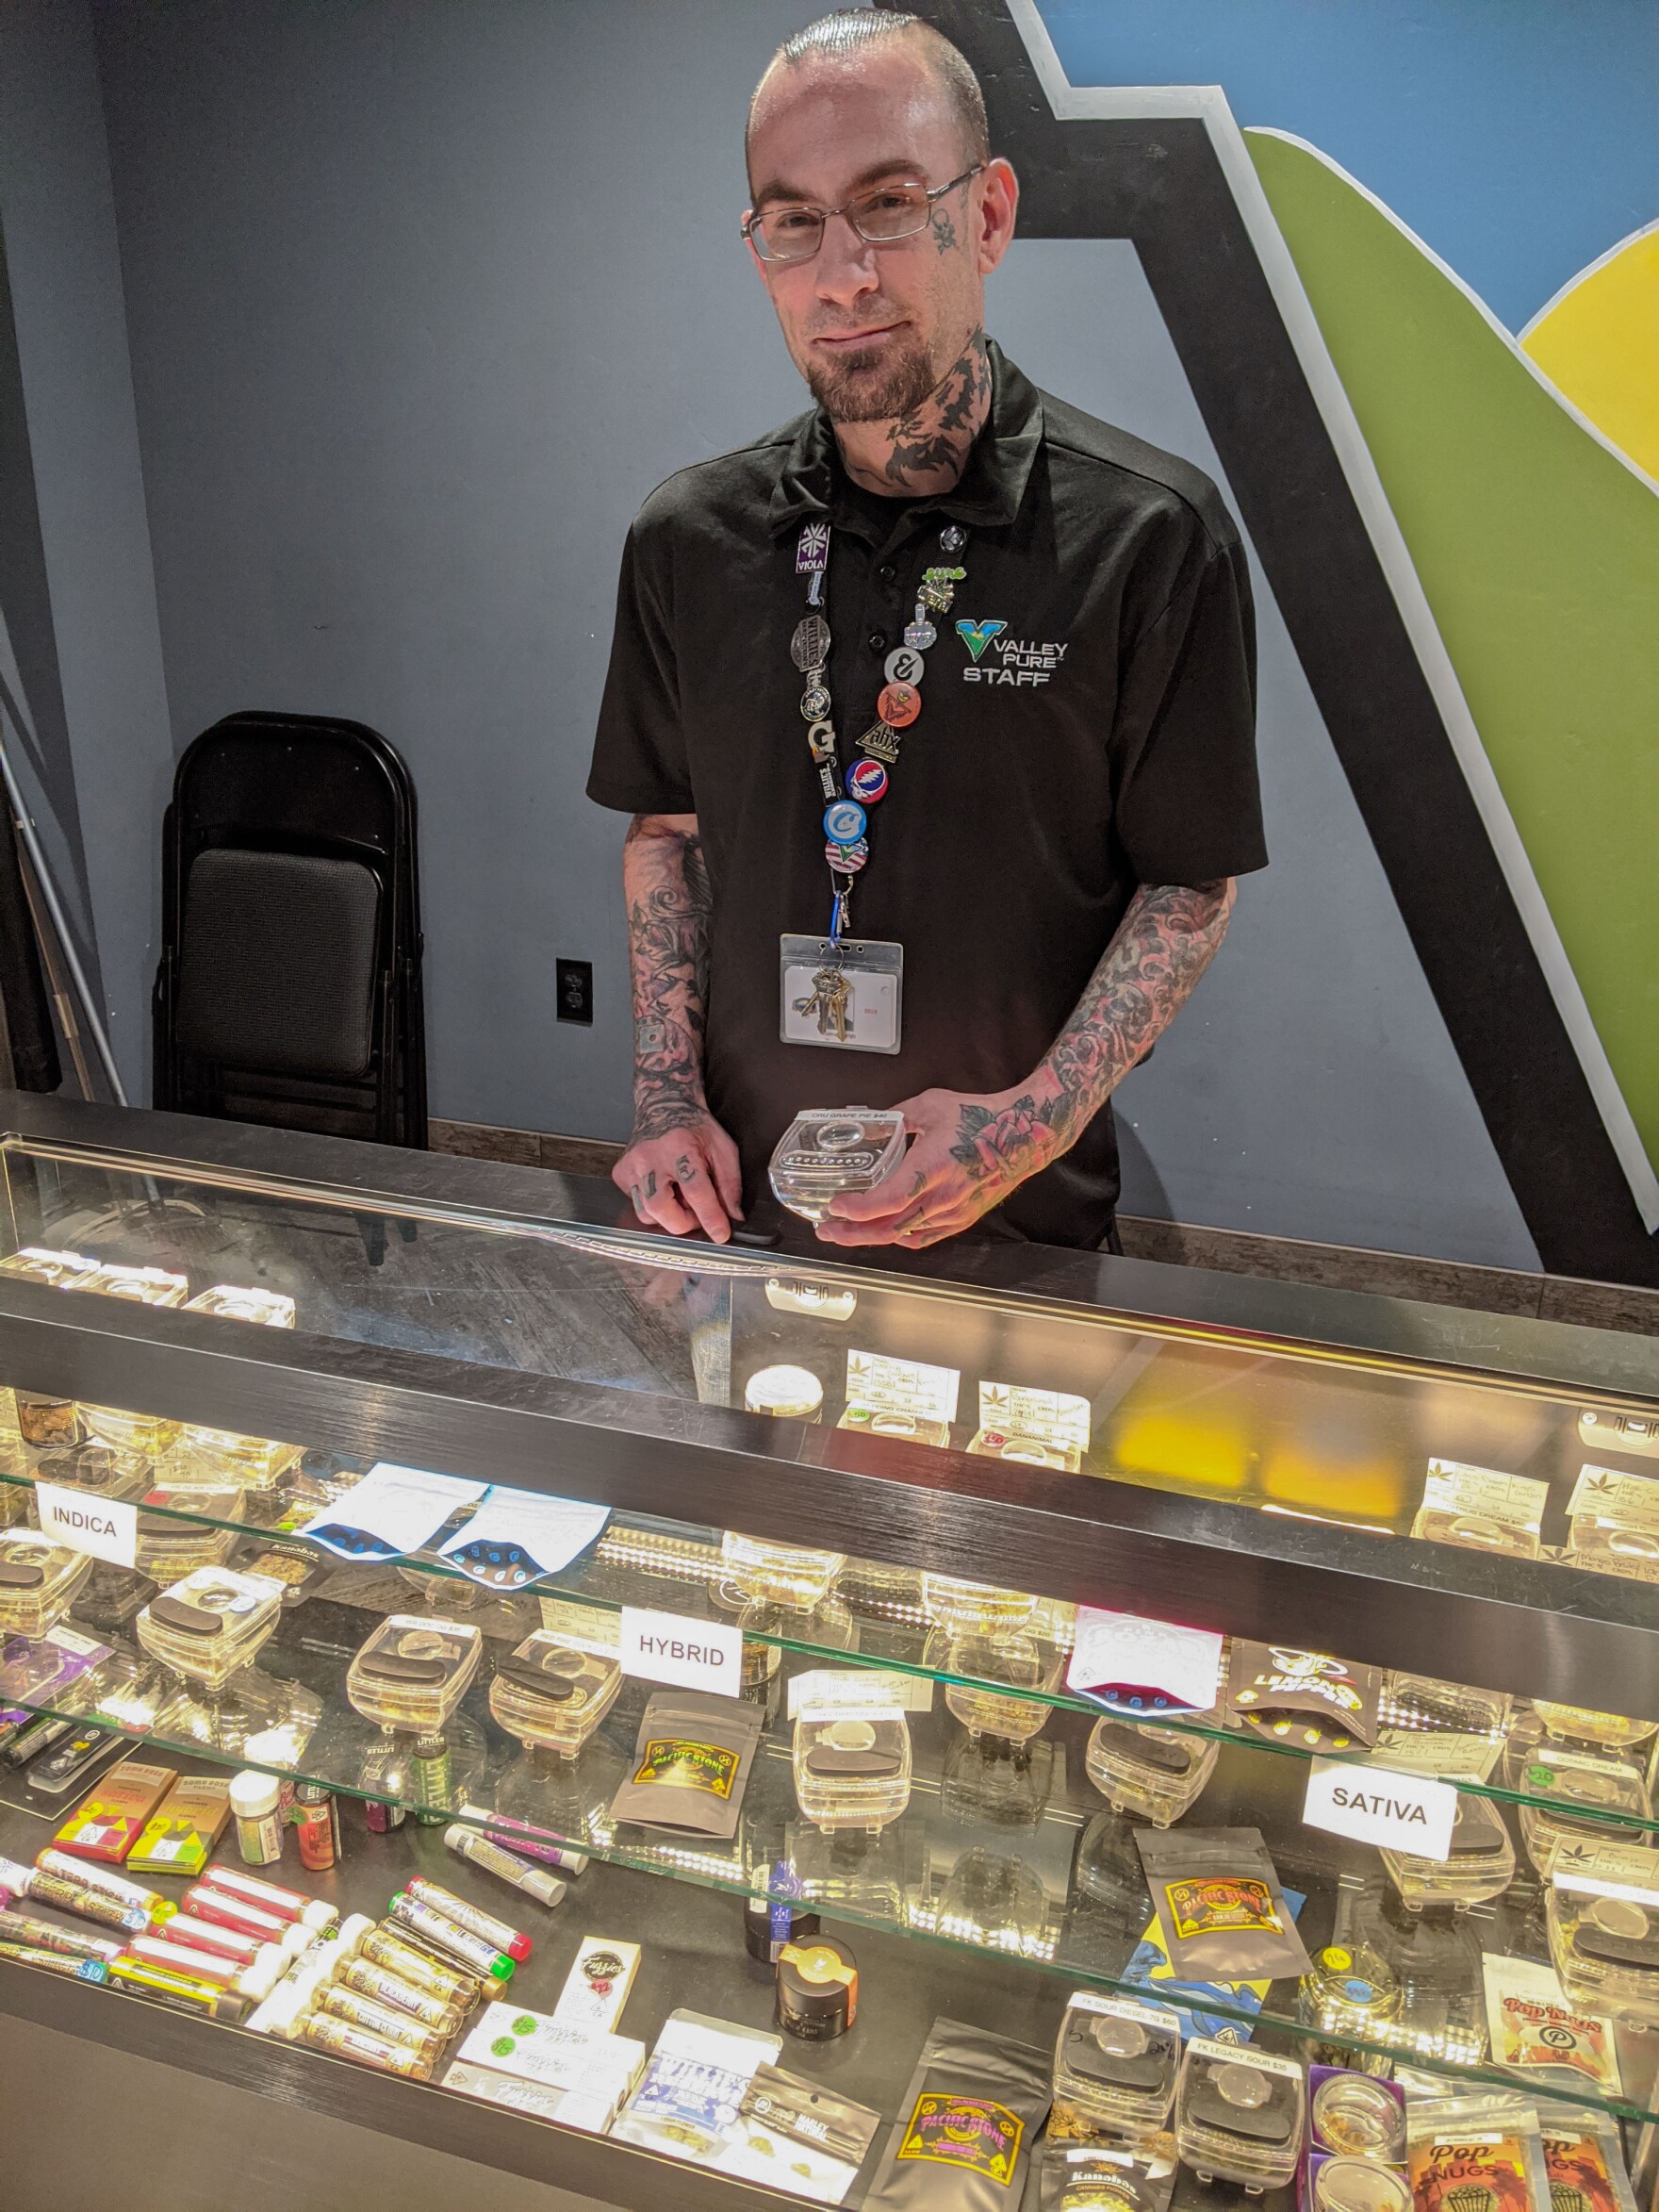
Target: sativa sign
{"x":108,"y":1528}
{"x":1374,"y":1805}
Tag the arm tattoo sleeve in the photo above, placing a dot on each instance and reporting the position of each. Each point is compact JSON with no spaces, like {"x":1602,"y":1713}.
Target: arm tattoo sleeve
{"x":1146,"y":974}
{"x":665,"y":884}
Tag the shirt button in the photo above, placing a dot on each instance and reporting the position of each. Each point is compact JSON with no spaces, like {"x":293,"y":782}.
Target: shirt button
{"x":878,"y":642}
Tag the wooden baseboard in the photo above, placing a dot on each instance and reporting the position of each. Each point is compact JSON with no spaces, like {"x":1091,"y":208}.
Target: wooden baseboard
{"x":1395,"y":1275}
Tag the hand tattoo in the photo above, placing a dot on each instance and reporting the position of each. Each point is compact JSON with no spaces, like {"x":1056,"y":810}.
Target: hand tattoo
{"x":666,"y":882}
{"x":1167,"y":939}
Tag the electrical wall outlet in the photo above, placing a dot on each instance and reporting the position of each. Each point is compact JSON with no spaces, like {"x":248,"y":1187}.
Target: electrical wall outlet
{"x":573,"y":989}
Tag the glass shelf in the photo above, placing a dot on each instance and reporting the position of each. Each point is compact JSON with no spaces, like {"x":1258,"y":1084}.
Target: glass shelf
{"x":874,"y":1620}
{"x":1003,"y":1850}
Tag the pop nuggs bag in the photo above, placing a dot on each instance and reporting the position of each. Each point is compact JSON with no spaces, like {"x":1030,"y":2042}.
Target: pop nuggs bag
{"x":963,"y":2138}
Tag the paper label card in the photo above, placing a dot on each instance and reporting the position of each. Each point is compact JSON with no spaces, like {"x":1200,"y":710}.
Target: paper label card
{"x":105,"y":1527}
{"x":1614,"y":1499}
{"x":691,"y":1655}
{"x":901,"y":1386}
{"x":1131,"y":1665}
{"x":844,"y":1692}
{"x":1453,"y":1753}
{"x":1413,"y":1813}
{"x":392,"y":1511}
{"x":585,"y":1628}
{"x":516,"y":1536}
{"x":1053,"y":1416}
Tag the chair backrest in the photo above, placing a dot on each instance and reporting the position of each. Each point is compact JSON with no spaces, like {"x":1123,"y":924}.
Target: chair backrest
{"x":289,"y":987}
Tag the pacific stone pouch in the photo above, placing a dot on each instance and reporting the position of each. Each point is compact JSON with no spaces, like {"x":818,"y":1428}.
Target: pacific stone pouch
{"x":690,"y":1763}
{"x":963,"y":2138}
{"x":1220,"y":1908}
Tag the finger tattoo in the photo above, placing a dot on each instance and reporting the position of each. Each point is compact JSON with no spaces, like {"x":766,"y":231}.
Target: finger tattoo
{"x":651,"y":1183}
{"x":684,"y":1170}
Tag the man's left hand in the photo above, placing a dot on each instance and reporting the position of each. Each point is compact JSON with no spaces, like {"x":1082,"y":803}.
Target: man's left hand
{"x":969,"y":1152}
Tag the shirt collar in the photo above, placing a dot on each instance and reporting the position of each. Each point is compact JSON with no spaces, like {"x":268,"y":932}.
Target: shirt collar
{"x":813,"y":478}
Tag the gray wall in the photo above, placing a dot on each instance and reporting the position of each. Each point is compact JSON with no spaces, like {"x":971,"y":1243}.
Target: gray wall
{"x":81,"y":669}
{"x":423,"y":298}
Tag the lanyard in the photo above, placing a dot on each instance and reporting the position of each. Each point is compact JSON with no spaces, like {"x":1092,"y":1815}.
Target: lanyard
{"x":847,"y":815}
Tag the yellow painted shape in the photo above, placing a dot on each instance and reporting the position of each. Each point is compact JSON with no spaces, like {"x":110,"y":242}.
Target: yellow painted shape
{"x":1598,"y":345}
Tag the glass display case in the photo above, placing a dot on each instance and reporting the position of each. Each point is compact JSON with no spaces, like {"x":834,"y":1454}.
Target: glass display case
{"x":778,"y":1614}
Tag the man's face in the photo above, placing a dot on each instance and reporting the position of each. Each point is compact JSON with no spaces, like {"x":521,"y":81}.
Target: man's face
{"x":872,"y":328}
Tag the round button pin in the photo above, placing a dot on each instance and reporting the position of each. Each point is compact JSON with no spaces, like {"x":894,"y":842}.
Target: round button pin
{"x":920,"y":635}
{"x":815,"y":703}
{"x":904,"y":665}
{"x":867,"y":780}
{"x":898,"y":706}
{"x":843,"y":821}
{"x":848,"y":858}
{"x":953,"y":538}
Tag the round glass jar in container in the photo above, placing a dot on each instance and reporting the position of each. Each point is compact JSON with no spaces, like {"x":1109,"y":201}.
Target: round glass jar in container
{"x":1239,"y":2114}
{"x":211,"y":1623}
{"x":414,"y":1671}
{"x":975,"y":1609}
{"x":39,"y":1580}
{"x":1157,"y":1772}
{"x":787,"y":1393}
{"x":1351,"y":1992}
{"x":1359,"y":2185}
{"x":1481,"y":1865}
{"x":1014,"y":1659}
{"x":852,"y":1770}
{"x":1356,"y":2116}
{"x":1568,"y":1790}
{"x":552,"y":1697}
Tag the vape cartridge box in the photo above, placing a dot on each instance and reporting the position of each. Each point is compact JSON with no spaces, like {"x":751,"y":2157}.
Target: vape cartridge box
{"x":597,"y":1987}
{"x":109,"y":1821}
{"x":180,"y":1836}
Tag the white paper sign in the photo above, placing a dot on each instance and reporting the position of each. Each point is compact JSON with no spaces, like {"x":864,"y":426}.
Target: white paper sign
{"x":692,"y":1655}
{"x":836,"y":1692}
{"x":516,"y":1536}
{"x":391,"y":1511}
{"x":105,"y":1527}
{"x":1377,"y":1805}
{"x":1157,"y":1666}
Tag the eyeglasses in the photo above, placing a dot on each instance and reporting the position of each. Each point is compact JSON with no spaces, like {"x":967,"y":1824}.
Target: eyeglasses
{"x":882,"y":216}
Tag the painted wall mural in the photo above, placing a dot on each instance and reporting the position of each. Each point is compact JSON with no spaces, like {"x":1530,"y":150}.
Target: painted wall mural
{"x":1460,"y":524}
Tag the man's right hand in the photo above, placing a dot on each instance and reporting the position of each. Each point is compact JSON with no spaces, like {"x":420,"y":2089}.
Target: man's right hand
{"x":684,"y":1176}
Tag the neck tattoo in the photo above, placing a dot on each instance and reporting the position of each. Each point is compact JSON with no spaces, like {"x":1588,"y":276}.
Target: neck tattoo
{"x":927,"y":450}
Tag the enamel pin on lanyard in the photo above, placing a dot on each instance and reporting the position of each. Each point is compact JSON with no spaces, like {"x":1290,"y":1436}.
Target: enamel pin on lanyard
{"x":841,"y":991}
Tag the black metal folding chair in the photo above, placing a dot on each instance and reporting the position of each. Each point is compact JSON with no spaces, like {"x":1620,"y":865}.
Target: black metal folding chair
{"x":289,"y":988}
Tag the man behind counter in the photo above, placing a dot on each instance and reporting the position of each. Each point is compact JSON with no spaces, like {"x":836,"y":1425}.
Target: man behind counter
{"x":945,"y":673}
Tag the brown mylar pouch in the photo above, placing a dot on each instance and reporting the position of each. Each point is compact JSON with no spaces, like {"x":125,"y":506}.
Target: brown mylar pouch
{"x":1303,"y":1697}
{"x":690,"y":1763}
{"x":1220,"y":1908}
{"x":963,"y":2136}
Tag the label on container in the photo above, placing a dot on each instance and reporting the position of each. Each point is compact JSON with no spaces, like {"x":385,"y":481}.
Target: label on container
{"x":884,"y":1385}
{"x":834,"y":1693}
{"x":1413,"y":1813}
{"x":108,"y":1528}
{"x":691,"y":1655}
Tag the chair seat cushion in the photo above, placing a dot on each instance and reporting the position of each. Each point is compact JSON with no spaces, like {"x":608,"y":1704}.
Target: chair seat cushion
{"x":277,"y":962}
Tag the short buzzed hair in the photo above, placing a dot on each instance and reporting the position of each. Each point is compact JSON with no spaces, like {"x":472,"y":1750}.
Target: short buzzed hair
{"x":851,"y":30}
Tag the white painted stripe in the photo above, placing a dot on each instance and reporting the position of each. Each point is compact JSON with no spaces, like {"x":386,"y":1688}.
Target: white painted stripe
{"x":1208,"y":101}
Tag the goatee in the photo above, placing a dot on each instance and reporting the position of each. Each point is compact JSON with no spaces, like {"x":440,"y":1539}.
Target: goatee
{"x":872,"y":387}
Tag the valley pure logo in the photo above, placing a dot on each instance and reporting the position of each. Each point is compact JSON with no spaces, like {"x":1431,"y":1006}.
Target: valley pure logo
{"x":977,"y":635}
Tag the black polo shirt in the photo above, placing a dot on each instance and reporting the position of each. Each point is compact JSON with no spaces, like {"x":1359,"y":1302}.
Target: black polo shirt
{"x":1103,"y":738}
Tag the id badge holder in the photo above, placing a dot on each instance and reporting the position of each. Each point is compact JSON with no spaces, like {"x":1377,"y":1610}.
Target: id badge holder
{"x":848,"y":996}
